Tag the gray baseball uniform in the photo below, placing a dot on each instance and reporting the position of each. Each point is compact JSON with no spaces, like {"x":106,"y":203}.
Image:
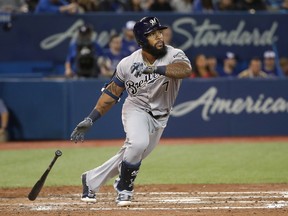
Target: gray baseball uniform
{"x":145,"y":112}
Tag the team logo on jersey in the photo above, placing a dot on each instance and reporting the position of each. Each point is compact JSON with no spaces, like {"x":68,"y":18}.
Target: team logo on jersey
{"x":180,"y":55}
{"x":132,"y":86}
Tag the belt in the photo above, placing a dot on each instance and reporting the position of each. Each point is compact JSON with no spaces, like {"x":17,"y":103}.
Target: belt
{"x":157,"y":116}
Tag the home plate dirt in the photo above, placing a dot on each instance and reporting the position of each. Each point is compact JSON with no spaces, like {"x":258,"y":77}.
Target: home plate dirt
{"x":153,"y":200}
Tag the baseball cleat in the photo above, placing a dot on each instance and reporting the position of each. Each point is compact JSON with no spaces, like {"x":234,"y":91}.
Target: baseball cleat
{"x":89,"y":198}
{"x":124,"y":199}
{"x":87,"y":195}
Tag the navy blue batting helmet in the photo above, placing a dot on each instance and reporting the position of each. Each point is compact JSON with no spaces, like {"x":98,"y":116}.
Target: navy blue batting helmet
{"x":145,"y":26}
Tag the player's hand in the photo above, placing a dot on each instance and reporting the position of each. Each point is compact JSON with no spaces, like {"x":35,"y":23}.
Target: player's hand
{"x":139,"y":68}
{"x":80,"y":130}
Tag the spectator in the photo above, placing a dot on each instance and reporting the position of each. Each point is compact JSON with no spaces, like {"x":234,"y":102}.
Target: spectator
{"x":114,"y":54}
{"x":254,"y":70}
{"x":87,"y":6}
{"x":251,"y":5}
{"x":284,"y":6}
{"x":82,"y":58}
{"x":4,"y":116}
{"x":31,"y":4}
{"x":146,"y":4}
{"x":273,"y":5}
{"x":112,"y":5}
{"x":161,"y":5}
{"x":269,"y":64}
{"x":284,"y":65}
{"x":134,"y":6}
{"x":56,"y":6}
{"x":200,"y":67}
{"x":13,"y":6}
{"x":204,"y":6}
{"x":182,"y":6}
{"x":212,"y":64}
{"x":129,"y":43}
{"x":226,"y":5}
{"x":229,"y":68}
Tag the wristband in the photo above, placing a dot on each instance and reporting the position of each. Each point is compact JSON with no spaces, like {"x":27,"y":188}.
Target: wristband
{"x":161,"y":70}
{"x":94,"y":115}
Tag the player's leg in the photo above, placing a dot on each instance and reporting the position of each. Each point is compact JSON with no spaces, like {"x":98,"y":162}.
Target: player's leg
{"x":100,"y":175}
{"x":93,"y":179}
{"x":153,"y":141}
{"x":137,"y":128}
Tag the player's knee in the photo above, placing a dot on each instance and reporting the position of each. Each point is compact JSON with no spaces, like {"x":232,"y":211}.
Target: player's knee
{"x":134,"y":152}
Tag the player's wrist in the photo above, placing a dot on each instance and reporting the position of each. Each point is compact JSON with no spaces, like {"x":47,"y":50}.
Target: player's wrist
{"x":94,"y":115}
{"x":160,"y":70}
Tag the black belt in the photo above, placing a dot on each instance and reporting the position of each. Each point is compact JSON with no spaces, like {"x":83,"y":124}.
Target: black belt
{"x":157,"y":116}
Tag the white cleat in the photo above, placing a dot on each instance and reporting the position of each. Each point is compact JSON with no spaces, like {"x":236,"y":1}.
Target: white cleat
{"x":124,"y":203}
{"x":87,"y":195}
{"x":124,"y":198}
{"x":88,"y":199}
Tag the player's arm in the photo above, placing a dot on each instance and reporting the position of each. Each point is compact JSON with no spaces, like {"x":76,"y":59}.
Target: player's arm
{"x":177,"y":70}
{"x":110,"y":95}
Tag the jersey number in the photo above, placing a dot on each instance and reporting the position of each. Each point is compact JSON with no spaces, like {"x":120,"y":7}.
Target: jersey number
{"x":165,"y":85}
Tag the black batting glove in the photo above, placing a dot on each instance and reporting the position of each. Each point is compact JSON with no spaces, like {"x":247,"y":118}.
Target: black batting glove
{"x":81,"y":129}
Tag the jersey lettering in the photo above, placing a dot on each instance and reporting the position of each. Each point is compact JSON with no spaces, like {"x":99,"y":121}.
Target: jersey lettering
{"x":132,"y":87}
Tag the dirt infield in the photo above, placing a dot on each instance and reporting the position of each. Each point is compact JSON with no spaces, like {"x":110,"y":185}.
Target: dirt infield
{"x":158,"y":200}
{"x":238,"y":200}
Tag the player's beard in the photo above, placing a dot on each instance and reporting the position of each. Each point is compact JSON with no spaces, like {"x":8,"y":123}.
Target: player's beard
{"x":157,"y":53}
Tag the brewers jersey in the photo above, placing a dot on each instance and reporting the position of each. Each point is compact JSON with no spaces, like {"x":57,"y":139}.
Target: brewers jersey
{"x":154,"y":93}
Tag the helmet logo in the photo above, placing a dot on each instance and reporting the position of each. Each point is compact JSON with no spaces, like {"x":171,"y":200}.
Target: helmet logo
{"x":153,"y":21}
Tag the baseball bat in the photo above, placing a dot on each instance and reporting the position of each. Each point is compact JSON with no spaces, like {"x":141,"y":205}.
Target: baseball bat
{"x":39,"y":184}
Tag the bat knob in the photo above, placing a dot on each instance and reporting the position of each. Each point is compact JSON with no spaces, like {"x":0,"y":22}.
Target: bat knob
{"x":58,"y":153}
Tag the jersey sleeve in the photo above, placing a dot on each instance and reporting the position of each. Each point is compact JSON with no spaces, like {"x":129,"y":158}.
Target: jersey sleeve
{"x":180,"y":56}
{"x":119,"y":77}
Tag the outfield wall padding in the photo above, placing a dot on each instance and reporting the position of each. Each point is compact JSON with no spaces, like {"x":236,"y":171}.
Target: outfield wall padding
{"x":46,"y":109}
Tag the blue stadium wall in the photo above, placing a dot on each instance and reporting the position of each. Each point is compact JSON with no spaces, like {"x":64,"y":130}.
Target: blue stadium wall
{"x":205,"y":108}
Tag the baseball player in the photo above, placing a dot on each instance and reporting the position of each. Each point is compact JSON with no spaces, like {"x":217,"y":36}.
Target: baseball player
{"x":151,"y":76}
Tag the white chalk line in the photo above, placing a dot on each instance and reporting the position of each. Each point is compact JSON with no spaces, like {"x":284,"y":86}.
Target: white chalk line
{"x":235,"y":200}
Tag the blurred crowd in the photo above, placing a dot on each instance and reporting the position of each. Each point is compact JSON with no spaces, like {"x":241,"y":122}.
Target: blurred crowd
{"x":181,"y":6}
{"x":86,"y":58}
{"x":265,"y":66}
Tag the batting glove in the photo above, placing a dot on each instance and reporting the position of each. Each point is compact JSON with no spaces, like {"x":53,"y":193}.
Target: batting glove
{"x":139,"y":68}
{"x":80,"y":130}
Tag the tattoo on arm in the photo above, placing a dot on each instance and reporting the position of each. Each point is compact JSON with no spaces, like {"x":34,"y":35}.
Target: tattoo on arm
{"x":115,"y":89}
{"x":178,"y":70}
{"x":105,"y":102}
